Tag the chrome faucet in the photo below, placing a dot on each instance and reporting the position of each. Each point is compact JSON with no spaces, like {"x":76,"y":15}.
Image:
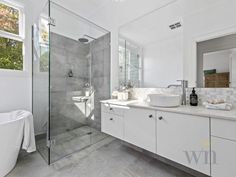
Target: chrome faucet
{"x":183,"y":85}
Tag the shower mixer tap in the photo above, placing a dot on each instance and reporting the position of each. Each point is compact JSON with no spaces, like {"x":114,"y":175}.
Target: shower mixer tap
{"x":70,"y":73}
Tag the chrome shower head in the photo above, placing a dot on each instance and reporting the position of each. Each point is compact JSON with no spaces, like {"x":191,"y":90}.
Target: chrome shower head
{"x":83,"y":40}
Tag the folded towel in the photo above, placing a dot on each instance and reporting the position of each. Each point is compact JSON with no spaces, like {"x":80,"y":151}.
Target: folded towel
{"x":29,"y":137}
{"x":222,"y":106}
{"x":216,"y":101}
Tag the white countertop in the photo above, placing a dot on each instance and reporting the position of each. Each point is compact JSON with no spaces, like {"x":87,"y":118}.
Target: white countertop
{"x":190,"y":110}
{"x":119,"y":103}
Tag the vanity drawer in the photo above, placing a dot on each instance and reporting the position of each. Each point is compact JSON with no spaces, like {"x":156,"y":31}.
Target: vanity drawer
{"x":113,"y":109}
{"x":112,"y":125}
{"x":223,"y":128}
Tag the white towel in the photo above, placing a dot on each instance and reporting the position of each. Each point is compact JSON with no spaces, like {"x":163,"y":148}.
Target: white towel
{"x":222,"y":106}
{"x":29,"y":137}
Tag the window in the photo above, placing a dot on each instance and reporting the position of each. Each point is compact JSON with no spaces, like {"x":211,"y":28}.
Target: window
{"x":11,"y":37}
{"x":44,"y":45}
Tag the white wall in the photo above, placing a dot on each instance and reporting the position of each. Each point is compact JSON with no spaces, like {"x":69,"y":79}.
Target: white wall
{"x":15,"y":92}
{"x":163,"y":62}
{"x":217,"y":60}
{"x":209,"y":20}
{"x":15,"y":86}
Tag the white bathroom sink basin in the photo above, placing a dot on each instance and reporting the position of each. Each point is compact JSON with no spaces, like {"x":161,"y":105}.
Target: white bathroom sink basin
{"x":164,"y":100}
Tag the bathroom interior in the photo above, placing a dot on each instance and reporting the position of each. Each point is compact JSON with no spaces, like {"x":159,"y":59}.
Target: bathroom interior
{"x":118,"y":88}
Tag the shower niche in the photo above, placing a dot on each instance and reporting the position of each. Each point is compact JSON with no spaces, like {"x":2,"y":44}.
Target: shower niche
{"x":71,"y":74}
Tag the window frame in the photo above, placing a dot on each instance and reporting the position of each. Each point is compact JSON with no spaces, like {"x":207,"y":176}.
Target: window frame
{"x":18,"y":37}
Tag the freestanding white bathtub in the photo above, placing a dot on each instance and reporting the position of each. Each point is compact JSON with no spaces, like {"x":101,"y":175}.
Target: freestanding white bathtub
{"x":12,"y":126}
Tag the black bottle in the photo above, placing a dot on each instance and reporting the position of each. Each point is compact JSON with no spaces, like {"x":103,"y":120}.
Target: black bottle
{"x":193,"y":98}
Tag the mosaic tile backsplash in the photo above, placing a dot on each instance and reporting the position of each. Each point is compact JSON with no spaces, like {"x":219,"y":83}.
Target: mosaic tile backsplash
{"x":204,"y":94}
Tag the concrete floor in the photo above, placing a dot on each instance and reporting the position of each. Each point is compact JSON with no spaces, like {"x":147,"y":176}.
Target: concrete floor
{"x":70,"y":142}
{"x":107,"y":159}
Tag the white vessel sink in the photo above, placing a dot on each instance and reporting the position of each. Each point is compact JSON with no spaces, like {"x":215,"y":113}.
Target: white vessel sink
{"x":164,"y":100}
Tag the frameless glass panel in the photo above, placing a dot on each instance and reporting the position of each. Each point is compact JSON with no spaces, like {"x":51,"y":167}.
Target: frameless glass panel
{"x":41,"y":83}
{"x":71,"y":74}
{"x":77,"y":52}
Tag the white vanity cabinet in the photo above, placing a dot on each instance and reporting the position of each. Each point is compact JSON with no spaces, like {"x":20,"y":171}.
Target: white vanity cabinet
{"x":223,"y":143}
{"x":205,"y":144}
{"x":113,"y":120}
{"x":140,"y":128}
{"x":223,"y":157}
{"x":112,"y":125}
{"x":181,"y":137}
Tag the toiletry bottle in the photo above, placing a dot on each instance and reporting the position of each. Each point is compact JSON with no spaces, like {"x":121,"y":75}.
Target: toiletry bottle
{"x":193,"y":98}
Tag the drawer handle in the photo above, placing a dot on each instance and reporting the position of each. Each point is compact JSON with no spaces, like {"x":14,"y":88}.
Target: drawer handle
{"x":150,"y":116}
{"x":111,"y":118}
{"x":160,"y":118}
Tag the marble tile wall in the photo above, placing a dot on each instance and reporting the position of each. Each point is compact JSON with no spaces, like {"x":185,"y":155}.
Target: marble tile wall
{"x":141,"y":93}
{"x":228,"y":94}
{"x":204,"y":94}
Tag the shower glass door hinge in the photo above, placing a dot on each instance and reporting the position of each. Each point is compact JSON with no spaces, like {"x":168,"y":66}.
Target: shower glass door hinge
{"x":51,"y":21}
{"x":51,"y":143}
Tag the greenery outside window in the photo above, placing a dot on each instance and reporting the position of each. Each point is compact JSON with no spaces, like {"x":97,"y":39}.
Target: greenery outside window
{"x":44,"y":45}
{"x":11,"y":37}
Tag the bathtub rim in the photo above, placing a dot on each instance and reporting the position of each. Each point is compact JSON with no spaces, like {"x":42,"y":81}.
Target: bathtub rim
{"x":11,"y":113}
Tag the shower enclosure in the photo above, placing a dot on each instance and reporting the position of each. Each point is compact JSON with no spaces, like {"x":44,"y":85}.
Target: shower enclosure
{"x":71,"y":74}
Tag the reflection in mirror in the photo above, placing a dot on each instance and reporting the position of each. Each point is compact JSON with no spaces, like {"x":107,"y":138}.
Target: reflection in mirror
{"x":218,"y":69}
{"x":130,"y":63}
{"x":150,"y":48}
{"x":217,"y":62}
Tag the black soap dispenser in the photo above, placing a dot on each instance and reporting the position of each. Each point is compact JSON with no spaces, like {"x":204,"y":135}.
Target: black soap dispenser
{"x":193,"y":98}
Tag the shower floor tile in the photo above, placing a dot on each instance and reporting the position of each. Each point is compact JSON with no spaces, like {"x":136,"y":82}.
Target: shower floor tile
{"x":70,"y":142}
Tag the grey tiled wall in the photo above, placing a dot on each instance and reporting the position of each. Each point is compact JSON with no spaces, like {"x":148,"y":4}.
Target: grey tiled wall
{"x":67,"y":54}
{"x":100,"y":51}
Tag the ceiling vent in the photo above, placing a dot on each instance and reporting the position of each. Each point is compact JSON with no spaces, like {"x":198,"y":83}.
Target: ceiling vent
{"x":175,"y":26}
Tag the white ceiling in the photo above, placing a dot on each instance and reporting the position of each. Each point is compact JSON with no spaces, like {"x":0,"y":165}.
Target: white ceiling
{"x":84,"y":8}
{"x":72,"y":25}
{"x":155,"y":26}
{"x":111,"y":15}
{"x":106,"y":13}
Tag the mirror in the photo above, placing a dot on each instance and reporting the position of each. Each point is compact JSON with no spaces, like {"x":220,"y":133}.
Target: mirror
{"x":150,"y":48}
{"x":216,"y":62}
